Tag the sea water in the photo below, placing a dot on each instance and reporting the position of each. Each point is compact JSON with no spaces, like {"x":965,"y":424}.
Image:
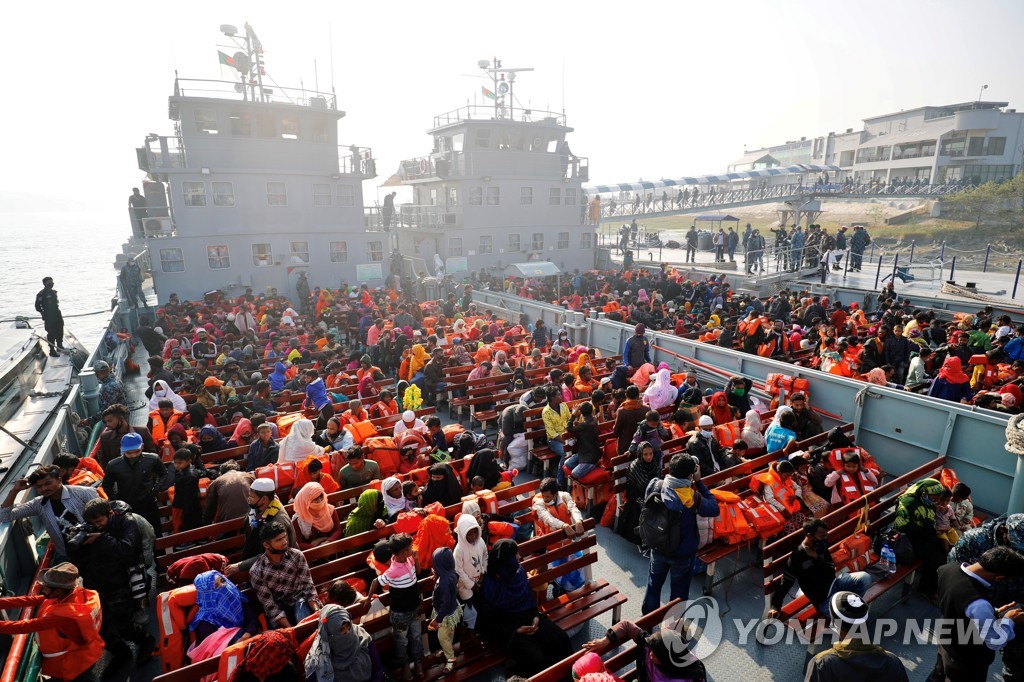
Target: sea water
{"x":77,"y":249}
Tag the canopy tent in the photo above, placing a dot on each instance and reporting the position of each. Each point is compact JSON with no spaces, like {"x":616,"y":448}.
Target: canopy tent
{"x":717,"y":218}
{"x":535,"y":268}
{"x":797,"y":169}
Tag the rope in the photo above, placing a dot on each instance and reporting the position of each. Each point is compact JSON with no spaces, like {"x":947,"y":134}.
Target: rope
{"x":1015,"y":434}
{"x":20,"y":318}
{"x":864,"y":393}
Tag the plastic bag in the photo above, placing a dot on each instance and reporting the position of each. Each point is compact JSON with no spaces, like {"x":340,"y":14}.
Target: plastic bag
{"x":573,"y":580}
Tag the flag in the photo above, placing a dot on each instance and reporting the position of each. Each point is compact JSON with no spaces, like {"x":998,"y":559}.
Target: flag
{"x":488,"y":94}
{"x":225,"y":59}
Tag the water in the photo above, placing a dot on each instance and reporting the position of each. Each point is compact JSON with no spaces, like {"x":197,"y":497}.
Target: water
{"x":77,"y":249}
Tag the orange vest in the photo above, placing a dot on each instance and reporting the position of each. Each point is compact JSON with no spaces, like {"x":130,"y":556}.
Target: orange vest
{"x":67,"y":654}
{"x":174,"y":610}
{"x":383,"y":409}
{"x":866,"y":460}
{"x":160,"y":428}
{"x":88,"y":479}
{"x":559,"y":510}
{"x":727,"y":434}
{"x":361,"y":431}
{"x":783,"y":492}
{"x":850,"y":490}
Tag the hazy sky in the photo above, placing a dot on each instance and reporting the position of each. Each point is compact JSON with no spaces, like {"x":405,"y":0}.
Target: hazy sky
{"x":653,"y":89}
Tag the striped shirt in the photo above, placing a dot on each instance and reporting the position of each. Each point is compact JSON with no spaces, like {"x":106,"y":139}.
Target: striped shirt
{"x":73,"y":497}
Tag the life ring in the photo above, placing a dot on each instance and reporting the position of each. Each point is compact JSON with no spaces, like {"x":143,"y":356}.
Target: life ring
{"x":424,"y":165}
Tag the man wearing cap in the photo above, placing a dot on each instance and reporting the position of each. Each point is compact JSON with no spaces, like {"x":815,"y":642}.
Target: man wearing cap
{"x":409,"y":421}
{"x":264,"y":507}
{"x":67,"y":623}
{"x":135,"y":478}
{"x":115,"y":419}
{"x":854,"y":658}
{"x":637,"y":350}
{"x":203,"y":348}
{"x":214,"y":393}
{"x":705,"y":447}
{"x":111,"y":389}
{"x":58,"y":506}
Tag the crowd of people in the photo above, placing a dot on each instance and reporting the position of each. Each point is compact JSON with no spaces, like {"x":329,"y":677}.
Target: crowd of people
{"x":381,"y":353}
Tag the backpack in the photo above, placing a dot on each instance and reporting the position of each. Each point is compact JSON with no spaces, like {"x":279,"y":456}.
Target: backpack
{"x":660,"y":528}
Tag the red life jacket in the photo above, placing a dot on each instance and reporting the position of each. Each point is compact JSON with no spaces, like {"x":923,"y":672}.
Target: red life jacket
{"x":853,"y":488}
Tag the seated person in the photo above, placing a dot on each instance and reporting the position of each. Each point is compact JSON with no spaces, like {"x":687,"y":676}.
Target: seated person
{"x":358,"y":470}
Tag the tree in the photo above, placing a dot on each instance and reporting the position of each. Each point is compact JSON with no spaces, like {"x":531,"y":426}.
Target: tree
{"x":979,"y":203}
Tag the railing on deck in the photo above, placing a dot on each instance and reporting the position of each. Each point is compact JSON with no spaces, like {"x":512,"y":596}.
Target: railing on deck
{"x":488,"y":112}
{"x":356,"y":160}
{"x":221,"y":89}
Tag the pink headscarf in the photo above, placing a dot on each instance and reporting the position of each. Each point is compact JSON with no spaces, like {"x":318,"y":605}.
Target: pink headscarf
{"x":310,"y":515}
{"x":642,"y":376}
{"x":877,"y":377}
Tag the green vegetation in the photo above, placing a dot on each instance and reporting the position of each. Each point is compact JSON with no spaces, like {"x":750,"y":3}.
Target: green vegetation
{"x":999,"y":204}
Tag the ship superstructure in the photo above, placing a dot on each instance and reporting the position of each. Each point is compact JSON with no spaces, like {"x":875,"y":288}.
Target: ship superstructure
{"x":500,"y":186}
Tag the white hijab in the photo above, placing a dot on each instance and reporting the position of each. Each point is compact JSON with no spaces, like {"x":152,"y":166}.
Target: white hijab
{"x":393,"y":505}
{"x":162,"y":390}
{"x":298,"y":444}
{"x":752,"y":428}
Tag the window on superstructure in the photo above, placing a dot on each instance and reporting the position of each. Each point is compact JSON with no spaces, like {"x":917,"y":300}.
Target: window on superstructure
{"x":172,"y":260}
{"x":555,"y":196}
{"x":457,"y":139}
{"x":223,"y":194}
{"x":339,"y":252}
{"x":586,"y":240}
{"x":975,"y":146}
{"x":277,"y":194}
{"x":241,"y":123}
{"x":476,"y":195}
{"x":563,"y":240}
{"x":525,"y":196}
{"x":218,"y":257}
{"x":346,"y":195}
{"x":375,"y":252}
{"x":954,"y":144}
{"x":264,"y":125}
{"x":289,"y":128}
{"x":483,"y":138}
{"x":570,"y":196}
{"x":454,"y":246}
{"x":996,"y":146}
{"x":321,"y":194}
{"x":493,"y":196}
{"x":514,"y":243}
{"x":299,"y":253}
{"x":538,"y":242}
{"x":486,"y":243}
{"x":262,"y":255}
{"x":321,"y":131}
{"x":206,"y":121}
{"x":195,"y":193}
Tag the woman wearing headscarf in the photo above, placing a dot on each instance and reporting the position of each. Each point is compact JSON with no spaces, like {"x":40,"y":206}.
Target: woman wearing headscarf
{"x":342,"y":651}
{"x":500,"y":366}
{"x":368,"y":514}
{"x":395,"y":501}
{"x":278,"y":378}
{"x":752,"y":433}
{"x":915,"y":516}
{"x":484,"y":464}
{"x":442,"y":487}
{"x":160,"y":391}
{"x":447,"y":611}
{"x":269,"y":657}
{"x":661,"y":392}
{"x":952,"y":383}
{"x":298,"y":444}
{"x":316,"y":520}
{"x":461,"y":356}
{"x":221,"y":605}
{"x":642,"y":376}
{"x":211,"y":440}
{"x":242,"y":434}
{"x":642,"y":470}
{"x":720,"y":410}
{"x":470,"y":555}
{"x":418,"y":360}
{"x":512,"y":619}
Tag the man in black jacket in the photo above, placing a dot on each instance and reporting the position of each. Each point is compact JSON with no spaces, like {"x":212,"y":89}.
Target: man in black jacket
{"x":706,"y":448}
{"x":135,"y":478}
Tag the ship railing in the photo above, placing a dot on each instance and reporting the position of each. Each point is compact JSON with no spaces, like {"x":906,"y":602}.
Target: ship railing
{"x":160,"y":152}
{"x":490,"y":112}
{"x":222,"y":89}
{"x":448,"y":164}
{"x":428,"y":217}
{"x":356,"y":160}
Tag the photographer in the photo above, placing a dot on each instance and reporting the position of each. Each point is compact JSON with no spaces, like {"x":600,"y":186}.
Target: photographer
{"x":58,"y":506}
{"x":107,"y":548}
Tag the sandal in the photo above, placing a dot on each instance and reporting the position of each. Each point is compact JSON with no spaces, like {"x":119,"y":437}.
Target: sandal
{"x":449,"y":665}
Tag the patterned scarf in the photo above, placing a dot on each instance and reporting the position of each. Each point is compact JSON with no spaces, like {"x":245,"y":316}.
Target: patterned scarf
{"x":221,"y":606}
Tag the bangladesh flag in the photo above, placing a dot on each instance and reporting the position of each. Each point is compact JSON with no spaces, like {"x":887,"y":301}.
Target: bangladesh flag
{"x":225,"y":59}
{"x":488,"y":94}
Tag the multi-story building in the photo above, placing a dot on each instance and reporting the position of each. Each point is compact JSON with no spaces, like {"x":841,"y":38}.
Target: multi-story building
{"x":972,"y":141}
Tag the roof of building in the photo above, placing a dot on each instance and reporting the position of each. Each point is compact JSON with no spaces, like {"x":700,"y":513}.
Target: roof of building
{"x":963,"y":106}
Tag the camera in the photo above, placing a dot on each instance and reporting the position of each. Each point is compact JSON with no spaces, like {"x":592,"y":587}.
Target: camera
{"x":78,"y":534}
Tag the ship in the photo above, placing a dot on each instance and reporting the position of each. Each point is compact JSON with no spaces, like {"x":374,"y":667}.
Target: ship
{"x":252,"y":189}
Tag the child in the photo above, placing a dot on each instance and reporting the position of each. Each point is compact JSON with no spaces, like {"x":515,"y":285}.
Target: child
{"x":411,"y":493}
{"x":447,"y":611}
{"x":652,"y":431}
{"x":380,"y":558}
{"x":945,"y":521}
{"x":477,"y":484}
{"x":436,"y":435}
{"x":406,"y":626}
{"x":470,"y":564}
{"x":186,"y":509}
{"x":963,"y":508}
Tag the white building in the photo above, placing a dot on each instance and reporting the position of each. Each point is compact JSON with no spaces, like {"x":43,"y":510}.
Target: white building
{"x":972,"y":141}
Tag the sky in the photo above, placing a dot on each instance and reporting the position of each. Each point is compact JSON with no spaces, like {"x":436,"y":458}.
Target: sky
{"x":654,"y":89}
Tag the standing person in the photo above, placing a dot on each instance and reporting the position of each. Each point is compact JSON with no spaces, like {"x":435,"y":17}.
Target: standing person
{"x":853,"y":658}
{"x":135,"y":478}
{"x":317,"y":398}
{"x":858,"y":242}
{"x":400,"y":579}
{"x":915,"y":516}
{"x":302,"y":292}
{"x":67,"y":624}
{"x":48,"y":307}
{"x":388,"y":210}
{"x":685,"y":498}
{"x":965,"y":598}
{"x":732,"y":240}
{"x":137,"y":206}
{"x":719,"y":242}
{"x":637,"y":350}
{"x":58,"y":506}
{"x":691,"y":244}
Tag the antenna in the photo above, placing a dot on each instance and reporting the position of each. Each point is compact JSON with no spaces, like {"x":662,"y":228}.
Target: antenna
{"x":330,"y":29}
{"x":563,"y":85}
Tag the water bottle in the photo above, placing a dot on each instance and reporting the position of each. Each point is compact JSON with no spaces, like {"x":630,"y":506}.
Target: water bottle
{"x":888,"y":559}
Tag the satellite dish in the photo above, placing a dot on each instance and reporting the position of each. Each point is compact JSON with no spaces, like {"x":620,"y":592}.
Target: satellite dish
{"x":239,"y":87}
{"x":502,"y":88}
{"x":241,"y":62}
{"x":483,"y":63}
{"x":228,"y":30}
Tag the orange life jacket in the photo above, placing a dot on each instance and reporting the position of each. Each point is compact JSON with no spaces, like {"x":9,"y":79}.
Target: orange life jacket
{"x":88,"y":479}
{"x":361,"y":431}
{"x":731,"y":525}
{"x":783,"y":492}
{"x":727,"y":434}
{"x":160,"y":428}
{"x":69,"y":649}
{"x":174,"y":609}
{"x":867,"y":461}
{"x":850,"y":490}
{"x":384,"y":409}
{"x":559,"y":510}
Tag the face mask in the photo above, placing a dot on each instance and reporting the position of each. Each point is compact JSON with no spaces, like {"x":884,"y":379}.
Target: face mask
{"x":317,"y":506}
{"x":739,"y":391}
{"x":707,"y":434}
